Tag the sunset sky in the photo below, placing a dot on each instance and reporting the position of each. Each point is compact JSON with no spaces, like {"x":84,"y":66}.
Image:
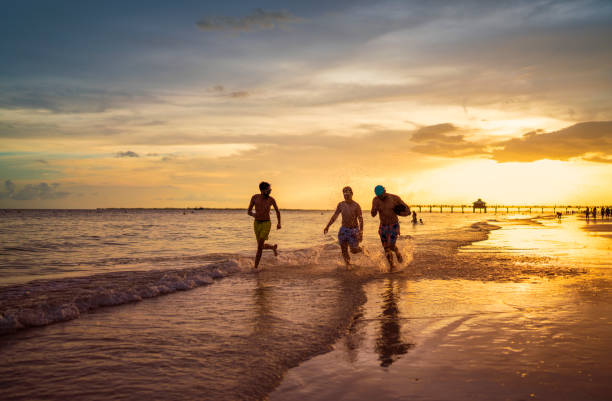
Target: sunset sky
{"x":192,"y":103}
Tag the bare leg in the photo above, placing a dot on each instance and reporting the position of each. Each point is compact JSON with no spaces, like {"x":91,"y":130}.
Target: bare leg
{"x":357,"y":249}
{"x":400,"y":259}
{"x":345,"y":254}
{"x":260,"y":246}
{"x":389,"y":256}
{"x":273,"y":247}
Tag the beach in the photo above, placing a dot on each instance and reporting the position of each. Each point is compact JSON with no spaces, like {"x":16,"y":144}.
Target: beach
{"x":164,"y":304}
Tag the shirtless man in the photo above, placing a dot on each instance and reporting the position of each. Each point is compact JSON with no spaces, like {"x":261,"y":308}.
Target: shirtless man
{"x":262,"y":224}
{"x":351,"y":232}
{"x":388,"y":207}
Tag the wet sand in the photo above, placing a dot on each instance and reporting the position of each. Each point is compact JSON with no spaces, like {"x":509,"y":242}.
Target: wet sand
{"x":465,"y":340}
{"x":538,"y":327}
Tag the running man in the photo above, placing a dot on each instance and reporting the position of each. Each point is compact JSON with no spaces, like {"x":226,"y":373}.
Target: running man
{"x":262,"y":223}
{"x":388,"y":207}
{"x":351,"y":232}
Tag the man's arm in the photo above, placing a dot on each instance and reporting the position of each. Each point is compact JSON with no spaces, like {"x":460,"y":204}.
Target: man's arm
{"x":360,"y":220}
{"x":333,"y":218}
{"x":406,"y":212}
{"x":374,"y":207}
{"x":278,"y":225}
{"x":250,"y":210}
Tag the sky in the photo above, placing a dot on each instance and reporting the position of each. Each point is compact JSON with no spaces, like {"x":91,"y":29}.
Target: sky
{"x":193,"y":103}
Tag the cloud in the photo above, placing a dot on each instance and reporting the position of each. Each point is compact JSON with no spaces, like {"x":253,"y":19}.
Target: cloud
{"x":590,"y":140}
{"x":256,"y":21}
{"x":41,"y":191}
{"x":598,"y":159}
{"x":128,"y":153}
{"x":69,"y":99}
{"x":239,"y":94}
{"x":445,"y":140}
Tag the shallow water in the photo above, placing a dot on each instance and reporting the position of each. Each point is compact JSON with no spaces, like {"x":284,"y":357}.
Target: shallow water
{"x":232,"y":340}
{"x":239,"y":336}
{"x":46,"y":244}
{"x":528,"y":337}
{"x":467,"y":340}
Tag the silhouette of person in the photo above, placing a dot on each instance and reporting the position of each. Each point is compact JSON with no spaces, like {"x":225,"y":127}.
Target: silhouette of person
{"x":262,"y":203}
{"x":351,"y":231}
{"x":388,"y":207}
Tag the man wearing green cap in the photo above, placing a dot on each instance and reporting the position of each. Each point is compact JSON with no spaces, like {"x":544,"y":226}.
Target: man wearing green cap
{"x":388,"y":207}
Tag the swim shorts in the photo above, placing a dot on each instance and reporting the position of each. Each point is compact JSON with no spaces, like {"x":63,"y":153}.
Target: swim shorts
{"x":350,"y":235}
{"x":262,"y":229}
{"x":389,"y":234}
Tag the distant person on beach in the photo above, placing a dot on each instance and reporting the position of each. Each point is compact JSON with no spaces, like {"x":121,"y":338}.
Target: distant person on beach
{"x":388,"y":207}
{"x":587,"y":212}
{"x":414,"y":217}
{"x":594,"y":212}
{"x":421,"y":221}
{"x":262,"y":224}
{"x":351,"y":231}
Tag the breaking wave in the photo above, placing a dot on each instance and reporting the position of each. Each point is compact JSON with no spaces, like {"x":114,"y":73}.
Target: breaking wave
{"x":42,"y":302}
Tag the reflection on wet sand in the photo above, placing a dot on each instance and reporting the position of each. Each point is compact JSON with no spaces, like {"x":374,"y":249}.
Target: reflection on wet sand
{"x":489,"y":327}
{"x":389,"y":344}
{"x":261,"y":303}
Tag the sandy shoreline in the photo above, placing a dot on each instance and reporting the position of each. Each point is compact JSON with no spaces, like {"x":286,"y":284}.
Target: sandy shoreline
{"x":465,"y":340}
{"x":519,"y":336}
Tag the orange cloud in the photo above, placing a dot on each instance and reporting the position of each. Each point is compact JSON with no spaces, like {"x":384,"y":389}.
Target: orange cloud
{"x":578,"y":140}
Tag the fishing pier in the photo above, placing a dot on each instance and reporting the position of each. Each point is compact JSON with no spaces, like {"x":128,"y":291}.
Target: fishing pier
{"x":566,"y":209}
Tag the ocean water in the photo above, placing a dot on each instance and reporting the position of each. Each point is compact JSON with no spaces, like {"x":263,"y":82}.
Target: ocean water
{"x":237,"y":334}
{"x":68,"y":243}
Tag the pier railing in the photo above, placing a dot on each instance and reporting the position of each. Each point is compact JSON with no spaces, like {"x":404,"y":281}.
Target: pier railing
{"x":567,"y":209}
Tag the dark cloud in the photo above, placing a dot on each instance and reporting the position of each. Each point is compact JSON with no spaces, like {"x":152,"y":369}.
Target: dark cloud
{"x":128,"y":153}
{"x":445,"y":140}
{"x":438,"y":132}
{"x":69,"y":99}
{"x":41,"y":191}
{"x":599,"y":159}
{"x":153,"y":123}
{"x":579,"y":140}
{"x":239,"y":94}
{"x":256,"y":21}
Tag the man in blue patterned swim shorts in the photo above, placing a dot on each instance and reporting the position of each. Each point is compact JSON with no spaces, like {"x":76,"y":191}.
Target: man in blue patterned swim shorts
{"x":388,"y":207}
{"x":351,"y":232}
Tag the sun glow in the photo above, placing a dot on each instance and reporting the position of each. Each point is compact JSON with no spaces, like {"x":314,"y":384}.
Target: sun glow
{"x":542,"y":182}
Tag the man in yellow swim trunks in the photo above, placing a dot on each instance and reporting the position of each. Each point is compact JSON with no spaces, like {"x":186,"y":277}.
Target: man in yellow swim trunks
{"x":262,"y":203}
